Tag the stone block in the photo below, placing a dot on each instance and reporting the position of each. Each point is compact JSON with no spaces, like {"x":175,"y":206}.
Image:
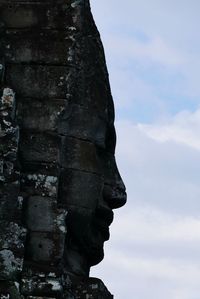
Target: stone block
{"x":86,"y":288}
{"x":39,"y":147}
{"x":40,"y":270}
{"x":39,"y":115}
{"x":79,"y":189}
{"x":9,"y":290}
{"x":41,"y":287}
{"x":9,"y":146}
{"x":9,"y":192}
{"x":97,"y":87}
{"x":61,"y":116}
{"x":22,"y":14}
{"x":39,"y":184}
{"x":37,"y":81}
{"x":79,"y":154}
{"x":39,"y":178}
{"x":10,"y":265}
{"x":10,"y":206}
{"x":42,"y":215}
{"x":2,"y":69}
{"x":12,"y":237}
{"x":37,"y":47}
{"x":32,"y":167}
{"x":90,"y":125}
{"x":46,"y":248}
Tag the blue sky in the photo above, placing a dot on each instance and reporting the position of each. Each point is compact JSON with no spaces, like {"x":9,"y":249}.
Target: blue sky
{"x":152,"y":50}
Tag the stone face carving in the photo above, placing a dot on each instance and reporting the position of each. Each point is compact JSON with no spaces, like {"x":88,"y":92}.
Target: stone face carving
{"x":63,"y":139}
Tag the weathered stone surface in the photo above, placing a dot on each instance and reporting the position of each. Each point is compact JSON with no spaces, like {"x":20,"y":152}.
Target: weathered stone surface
{"x":92,"y":288}
{"x":91,"y":125}
{"x":9,"y":290}
{"x":61,"y":116}
{"x":12,"y":234}
{"x":41,"y":116}
{"x":49,"y":218}
{"x":10,"y":265}
{"x":42,"y":287}
{"x":45,"y":247}
{"x":36,"y":283}
{"x":38,"y":147}
{"x":38,"y":81}
{"x":22,"y":14}
{"x":73,"y":190}
{"x":39,"y":184}
{"x":36,"y":46}
{"x":78,"y":154}
{"x":2,"y":69}
{"x":87,"y":288}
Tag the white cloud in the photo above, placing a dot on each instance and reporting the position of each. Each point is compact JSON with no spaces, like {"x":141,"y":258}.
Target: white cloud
{"x":154,"y":50}
{"x":183,"y":128}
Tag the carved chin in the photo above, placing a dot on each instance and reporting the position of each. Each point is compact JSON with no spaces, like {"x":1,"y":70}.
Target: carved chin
{"x":94,"y":247}
{"x":91,"y":242}
{"x":88,"y":236}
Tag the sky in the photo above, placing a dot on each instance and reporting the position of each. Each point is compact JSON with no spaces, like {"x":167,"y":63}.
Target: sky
{"x":153,"y":57}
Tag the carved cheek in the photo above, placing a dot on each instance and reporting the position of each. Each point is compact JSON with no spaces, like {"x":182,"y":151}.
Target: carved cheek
{"x":79,"y":189}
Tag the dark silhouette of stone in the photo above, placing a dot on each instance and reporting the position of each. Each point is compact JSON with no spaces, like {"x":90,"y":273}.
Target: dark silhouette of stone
{"x":58,"y":176}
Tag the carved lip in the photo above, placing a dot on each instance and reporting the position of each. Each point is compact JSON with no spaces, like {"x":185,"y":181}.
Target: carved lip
{"x":102,"y":227}
{"x":103,"y":219}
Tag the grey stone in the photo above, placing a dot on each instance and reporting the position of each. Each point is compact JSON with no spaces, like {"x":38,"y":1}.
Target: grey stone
{"x":42,"y":215}
{"x":41,"y":116}
{"x":12,"y":234}
{"x":91,"y":288}
{"x":74,"y":191}
{"x":10,"y":265}
{"x":39,"y":81}
{"x":22,"y":14}
{"x":45,"y":247}
{"x":79,"y":154}
{"x":38,"y":147}
{"x":9,"y":290}
{"x":41,"y":287}
{"x":36,"y":46}
{"x":90,"y":126}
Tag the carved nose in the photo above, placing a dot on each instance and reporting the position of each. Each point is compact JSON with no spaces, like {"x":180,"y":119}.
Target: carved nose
{"x":115,"y":196}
